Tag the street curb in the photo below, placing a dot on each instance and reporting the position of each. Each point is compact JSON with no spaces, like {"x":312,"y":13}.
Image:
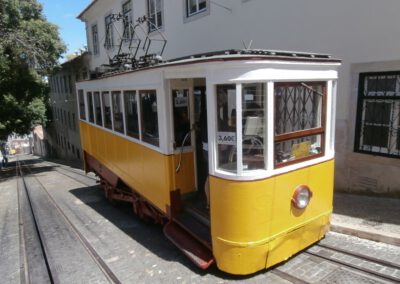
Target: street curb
{"x":373,"y":235}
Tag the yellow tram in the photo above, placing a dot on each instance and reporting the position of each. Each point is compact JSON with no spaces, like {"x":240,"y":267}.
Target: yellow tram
{"x":251,"y":129}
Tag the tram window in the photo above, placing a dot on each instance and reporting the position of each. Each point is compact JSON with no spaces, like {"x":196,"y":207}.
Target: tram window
{"x":149,"y":119}
{"x":131,"y":111}
{"x":106,"y":109}
{"x":181,"y":116}
{"x":226,"y":127}
{"x":117,"y":112}
{"x":90,"y":107}
{"x":253,"y":122}
{"x":97,"y":108}
{"x":82,"y":112}
{"x":299,"y":121}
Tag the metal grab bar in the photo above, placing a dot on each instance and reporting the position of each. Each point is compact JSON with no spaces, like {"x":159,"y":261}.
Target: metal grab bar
{"x":178,"y":168}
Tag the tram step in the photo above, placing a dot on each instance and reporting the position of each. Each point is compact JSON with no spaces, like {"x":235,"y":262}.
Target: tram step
{"x":202,"y":217}
{"x":190,"y":246}
{"x":195,"y":227}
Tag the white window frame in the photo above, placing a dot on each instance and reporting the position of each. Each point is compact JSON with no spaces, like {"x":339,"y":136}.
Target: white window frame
{"x":154,"y":12}
{"x":129,"y":15}
{"x":198,"y":10}
{"x":391,"y":150}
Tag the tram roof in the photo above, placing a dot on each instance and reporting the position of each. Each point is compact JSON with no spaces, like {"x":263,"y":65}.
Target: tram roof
{"x":234,"y":55}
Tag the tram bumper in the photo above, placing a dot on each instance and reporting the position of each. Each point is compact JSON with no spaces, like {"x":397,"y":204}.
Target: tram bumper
{"x":244,"y":258}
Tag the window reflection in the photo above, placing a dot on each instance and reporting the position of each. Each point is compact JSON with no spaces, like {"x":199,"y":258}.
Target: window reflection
{"x":148,"y":100}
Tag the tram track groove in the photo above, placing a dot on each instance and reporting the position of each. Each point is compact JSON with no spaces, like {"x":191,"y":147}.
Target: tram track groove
{"x":345,"y":264}
{"x":106,"y":270}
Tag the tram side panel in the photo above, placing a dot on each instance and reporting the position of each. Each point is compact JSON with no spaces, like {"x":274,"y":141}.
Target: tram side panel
{"x":254,"y":224}
{"x":144,"y":170}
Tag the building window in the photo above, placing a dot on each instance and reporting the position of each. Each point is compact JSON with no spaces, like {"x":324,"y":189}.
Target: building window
{"x":73,"y":121}
{"x":82,"y":112}
{"x":117,"y":112}
{"x":95,"y":39}
{"x":194,"y":7}
{"x":378,"y":114}
{"x":155,"y":14}
{"x":106,"y":109}
{"x":109,"y":38}
{"x":299,"y":121}
{"x":127,"y":20}
{"x":70,"y":84}
{"x":149,"y":117}
{"x":131,"y":112}
{"x":69,"y":120}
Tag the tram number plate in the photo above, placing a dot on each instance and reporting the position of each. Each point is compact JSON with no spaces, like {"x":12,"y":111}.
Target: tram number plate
{"x":226,"y":138}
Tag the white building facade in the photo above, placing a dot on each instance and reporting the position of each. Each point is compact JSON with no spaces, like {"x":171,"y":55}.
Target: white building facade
{"x":363,"y":33}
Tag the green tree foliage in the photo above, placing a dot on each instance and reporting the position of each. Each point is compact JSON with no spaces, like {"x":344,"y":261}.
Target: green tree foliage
{"x":29,"y":49}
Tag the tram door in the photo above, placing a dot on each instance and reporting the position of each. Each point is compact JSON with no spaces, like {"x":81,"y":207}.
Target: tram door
{"x":190,"y":134}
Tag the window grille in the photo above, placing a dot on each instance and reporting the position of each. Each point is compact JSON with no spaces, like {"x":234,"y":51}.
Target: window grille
{"x":299,"y":121}
{"x":378,"y":114}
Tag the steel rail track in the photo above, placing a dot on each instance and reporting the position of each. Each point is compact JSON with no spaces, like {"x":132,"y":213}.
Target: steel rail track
{"x":90,"y":249}
{"x":69,"y":170}
{"x":365,"y":270}
{"x":24,"y":272}
{"x":361,"y":256}
{"x":288,"y":277}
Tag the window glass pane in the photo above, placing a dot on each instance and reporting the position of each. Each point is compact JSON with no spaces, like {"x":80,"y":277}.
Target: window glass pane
{"x":375,"y":135}
{"x":131,"y":112}
{"x":181,"y":116}
{"x":226,"y":127}
{"x":149,"y":119}
{"x":109,"y":40}
{"x":381,"y":84}
{"x":377,"y":112}
{"x":202,"y":5}
{"x":298,"y":106}
{"x":298,"y":148}
{"x":253,"y":117}
{"x":95,"y":39}
{"x":127,"y":19}
{"x":97,"y":108}
{"x":90,"y":107}
{"x":82,"y":113}
{"x":107,"y":110}
{"x":159,"y":20}
{"x":192,"y":6}
{"x":117,"y":112}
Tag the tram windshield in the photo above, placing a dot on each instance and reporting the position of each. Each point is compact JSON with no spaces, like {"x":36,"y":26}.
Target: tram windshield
{"x":298,"y":130}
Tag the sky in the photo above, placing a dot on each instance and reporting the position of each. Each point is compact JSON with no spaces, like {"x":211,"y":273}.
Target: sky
{"x":63,"y":13}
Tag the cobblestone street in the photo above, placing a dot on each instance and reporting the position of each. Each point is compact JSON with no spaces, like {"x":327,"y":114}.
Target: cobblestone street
{"x":138,"y":252}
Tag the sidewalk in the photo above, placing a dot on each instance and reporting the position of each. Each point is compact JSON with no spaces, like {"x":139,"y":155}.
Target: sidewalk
{"x":374,"y":218}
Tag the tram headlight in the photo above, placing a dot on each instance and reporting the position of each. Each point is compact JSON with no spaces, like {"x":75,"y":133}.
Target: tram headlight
{"x":301,"y":197}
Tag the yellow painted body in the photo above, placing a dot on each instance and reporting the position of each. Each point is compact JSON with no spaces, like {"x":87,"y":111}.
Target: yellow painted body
{"x":148,"y":172}
{"x":254,"y":224}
